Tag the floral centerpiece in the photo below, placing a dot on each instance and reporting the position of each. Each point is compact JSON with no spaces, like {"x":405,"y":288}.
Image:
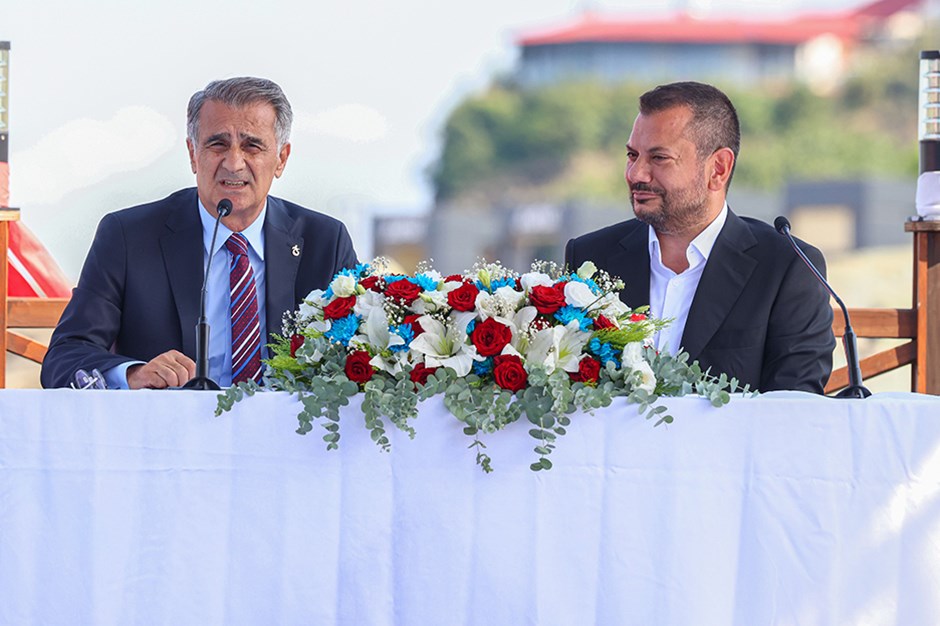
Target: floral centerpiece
{"x":497,"y":344}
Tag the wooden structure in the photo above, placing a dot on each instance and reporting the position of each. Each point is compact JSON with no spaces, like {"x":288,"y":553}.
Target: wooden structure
{"x":920,"y":325}
{"x":21,"y":312}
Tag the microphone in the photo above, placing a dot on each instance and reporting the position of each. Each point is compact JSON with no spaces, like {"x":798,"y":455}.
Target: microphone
{"x":855,"y":388}
{"x":201,"y":380}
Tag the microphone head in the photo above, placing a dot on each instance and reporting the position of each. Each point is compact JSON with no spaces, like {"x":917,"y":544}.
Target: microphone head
{"x":782,"y":224}
{"x":224,"y":208}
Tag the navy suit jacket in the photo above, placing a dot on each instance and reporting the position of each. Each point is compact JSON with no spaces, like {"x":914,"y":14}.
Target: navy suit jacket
{"x":138,"y":294}
{"x":758,"y":314}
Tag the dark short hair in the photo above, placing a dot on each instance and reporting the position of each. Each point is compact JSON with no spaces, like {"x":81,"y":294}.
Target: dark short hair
{"x":240,"y":92}
{"x":714,"y":121}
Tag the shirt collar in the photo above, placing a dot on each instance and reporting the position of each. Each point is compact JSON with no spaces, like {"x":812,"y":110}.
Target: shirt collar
{"x":254,"y":233}
{"x":703,"y":242}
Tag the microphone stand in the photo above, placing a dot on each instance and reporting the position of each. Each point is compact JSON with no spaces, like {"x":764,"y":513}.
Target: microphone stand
{"x":849,"y":345}
{"x":201,"y":380}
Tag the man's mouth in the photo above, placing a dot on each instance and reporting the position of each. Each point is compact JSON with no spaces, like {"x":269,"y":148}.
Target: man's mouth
{"x":234,"y":184}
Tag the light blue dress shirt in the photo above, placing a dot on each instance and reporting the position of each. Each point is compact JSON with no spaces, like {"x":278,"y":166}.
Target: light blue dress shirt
{"x":218,"y":299}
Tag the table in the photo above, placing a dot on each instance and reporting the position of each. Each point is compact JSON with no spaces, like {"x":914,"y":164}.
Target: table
{"x":142,"y":508}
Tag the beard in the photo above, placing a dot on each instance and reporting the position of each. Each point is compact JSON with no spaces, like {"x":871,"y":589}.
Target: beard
{"x":679,"y":210}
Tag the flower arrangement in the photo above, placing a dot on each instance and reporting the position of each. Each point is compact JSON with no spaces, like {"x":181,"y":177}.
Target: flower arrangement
{"x":497,"y":344}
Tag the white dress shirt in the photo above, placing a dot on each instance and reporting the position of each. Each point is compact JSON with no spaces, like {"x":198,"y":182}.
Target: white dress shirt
{"x":671,"y":294}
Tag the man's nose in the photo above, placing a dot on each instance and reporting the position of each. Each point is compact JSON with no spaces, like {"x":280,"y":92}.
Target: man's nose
{"x":234,"y":160}
{"x":637,"y":171}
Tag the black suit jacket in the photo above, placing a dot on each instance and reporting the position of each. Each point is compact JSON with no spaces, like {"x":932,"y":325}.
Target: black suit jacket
{"x":758,"y":314}
{"x":138,"y":294}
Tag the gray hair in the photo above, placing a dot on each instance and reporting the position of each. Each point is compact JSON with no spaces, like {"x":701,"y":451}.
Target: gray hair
{"x":240,"y":92}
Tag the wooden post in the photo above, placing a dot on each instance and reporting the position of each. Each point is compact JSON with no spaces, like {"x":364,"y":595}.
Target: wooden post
{"x":6,"y":216}
{"x":926,"y":372}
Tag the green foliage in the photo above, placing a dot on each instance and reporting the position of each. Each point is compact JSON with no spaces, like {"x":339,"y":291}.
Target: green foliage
{"x":562,"y":142}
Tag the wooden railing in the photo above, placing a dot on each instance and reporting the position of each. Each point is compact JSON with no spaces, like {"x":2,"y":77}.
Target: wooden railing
{"x":920,"y":324}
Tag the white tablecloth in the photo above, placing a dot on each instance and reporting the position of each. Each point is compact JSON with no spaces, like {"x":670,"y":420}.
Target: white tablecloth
{"x":143,"y":508}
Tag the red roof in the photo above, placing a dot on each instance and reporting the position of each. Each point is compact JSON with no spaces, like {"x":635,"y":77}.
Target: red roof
{"x":682,"y":28}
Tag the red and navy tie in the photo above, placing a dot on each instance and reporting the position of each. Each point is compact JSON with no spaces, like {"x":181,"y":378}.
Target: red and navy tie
{"x":246,"y":330}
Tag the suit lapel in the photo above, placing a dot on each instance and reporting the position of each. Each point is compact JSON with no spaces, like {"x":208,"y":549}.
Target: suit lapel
{"x":283,"y":250}
{"x":726,"y":273}
{"x":632,"y":264}
{"x":182,"y":248}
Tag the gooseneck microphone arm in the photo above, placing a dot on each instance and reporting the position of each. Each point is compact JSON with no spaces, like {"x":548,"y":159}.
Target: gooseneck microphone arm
{"x":201,"y":380}
{"x":855,"y":388}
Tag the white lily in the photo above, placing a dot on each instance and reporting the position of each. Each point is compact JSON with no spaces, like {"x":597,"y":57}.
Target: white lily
{"x":430,"y":302}
{"x":374,"y":333}
{"x":368,"y":302}
{"x":444,"y":346}
{"x":558,"y":347}
{"x":312,"y":305}
{"x":632,"y":359}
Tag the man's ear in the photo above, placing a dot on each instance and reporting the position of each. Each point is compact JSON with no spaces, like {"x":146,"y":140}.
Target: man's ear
{"x":722,"y":162}
{"x":282,"y":159}
{"x":192,"y":154}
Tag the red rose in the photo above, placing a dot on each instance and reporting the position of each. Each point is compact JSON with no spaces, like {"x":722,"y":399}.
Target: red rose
{"x":454,"y":278}
{"x":358,"y":368}
{"x":419,"y":374}
{"x":589,"y":369}
{"x":404,"y":291}
{"x":638,"y":317}
{"x":339,"y":308}
{"x":412,"y":320}
{"x":490,"y":337}
{"x":295,"y":342}
{"x":509,"y":373}
{"x":547,"y":300}
{"x":464,"y":297}
{"x":371,"y":282}
{"x":602,"y":322}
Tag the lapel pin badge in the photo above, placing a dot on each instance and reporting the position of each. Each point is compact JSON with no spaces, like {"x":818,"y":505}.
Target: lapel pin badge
{"x":295,"y":250}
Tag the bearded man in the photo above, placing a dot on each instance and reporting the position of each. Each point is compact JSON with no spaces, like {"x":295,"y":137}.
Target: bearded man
{"x":741,"y":300}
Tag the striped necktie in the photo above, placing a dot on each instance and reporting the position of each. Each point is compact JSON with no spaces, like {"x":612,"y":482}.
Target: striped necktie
{"x":246,"y":331}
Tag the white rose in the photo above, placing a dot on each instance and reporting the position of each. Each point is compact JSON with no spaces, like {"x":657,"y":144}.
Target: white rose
{"x":587,"y":270}
{"x":343,"y":286}
{"x":579,"y":295}
{"x":535,"y":279}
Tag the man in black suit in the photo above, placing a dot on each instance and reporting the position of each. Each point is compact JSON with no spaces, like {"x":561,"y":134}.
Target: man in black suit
{"x":742,"y":301}
{"x":133,"y":314}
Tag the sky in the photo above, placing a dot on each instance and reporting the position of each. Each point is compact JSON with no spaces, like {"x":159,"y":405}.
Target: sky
{"x":98,"y":92}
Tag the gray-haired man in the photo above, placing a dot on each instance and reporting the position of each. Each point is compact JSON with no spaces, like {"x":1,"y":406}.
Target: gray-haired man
{"x":132,"y":315}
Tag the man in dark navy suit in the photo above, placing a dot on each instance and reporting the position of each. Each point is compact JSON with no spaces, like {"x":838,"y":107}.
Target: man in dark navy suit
{"x":133,"y":314}
{"x":742,"y":301}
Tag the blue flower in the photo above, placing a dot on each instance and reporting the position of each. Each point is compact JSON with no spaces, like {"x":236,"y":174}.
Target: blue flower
{"x":393,"y":279}
{"x":471,"y":326}
{"x":425,"y":282}
{"x":357,"y":272}
{"x":481,"y":368}
{"x":570,"y":313}
{"x":587,"y":281}
{"x":343,"y":329}
{"x":603,"y":351}
{"x":405,"y":332}
{"x":497,"y":283}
